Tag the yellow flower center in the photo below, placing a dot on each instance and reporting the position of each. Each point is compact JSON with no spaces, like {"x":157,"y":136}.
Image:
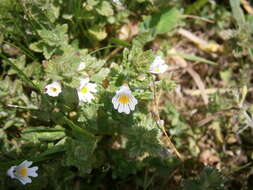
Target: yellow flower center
{"x":84,"y":90}
{"x":23,"y":172}
{"x":157,"y":70}
{"x":54,"y":89}
{"x":124,"y":99}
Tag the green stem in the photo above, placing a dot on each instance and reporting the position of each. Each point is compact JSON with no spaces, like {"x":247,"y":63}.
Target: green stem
{"x":76,"y":128}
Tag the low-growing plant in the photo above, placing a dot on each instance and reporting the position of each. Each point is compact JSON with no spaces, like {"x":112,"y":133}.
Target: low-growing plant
{"x":80,"y":97}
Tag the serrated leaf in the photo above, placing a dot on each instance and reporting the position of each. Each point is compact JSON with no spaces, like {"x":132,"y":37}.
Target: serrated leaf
{"x":97,"y":32}
{"x":93,"y":65}
{"x":54,"y":37}
{"x":141,"y":140}
{"x":105,"y":9}
{"x":37,"y":46}
{"x":19,"y":62}
{"x":48,"y":51}
{"x":92,"y":2}
{"x":79,"y":153}
{"x":209,"y":179}
{"x":101,"y":75}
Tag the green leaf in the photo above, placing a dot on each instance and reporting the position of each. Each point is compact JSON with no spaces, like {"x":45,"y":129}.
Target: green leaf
{"x":92,"y":2}
{"x":48,"y":51}
{"x":55,"y":37}
{"x":37,"y":134}
{"x":54,"y":150}
{"x":226,"y":76}
{"x":53,"y":12}
{"x":37,"y":46}
{"x":101,"y":75}
{"x":19,"y":62}
{"x":93,"y":65}
{"x":237,"y":12}
{"x":105,"y":9}
{"x":98,"y":32}
{"x":209,"y":179}
{"x":141,"y":140}
{"x":196,"y":6}
{"x":122,"y":167}
{"x":169,"y":18}
{"x":79,"y":153}
{"x":162,"y":22}
{"x":68,"y":99}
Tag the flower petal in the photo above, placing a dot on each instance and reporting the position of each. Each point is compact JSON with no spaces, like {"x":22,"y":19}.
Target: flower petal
{"x":10,"y":171}
{"x":25,"y":164}
{"x":115,"y":101}
{"x":131,"y":105}
{"x":92,"y":87}
{"x":124,"y":90}
{"x":24,"y":180}
{"x":83,"y":82}
{"x":134,"y":100}
{"x":89,"y":97}
{"x":126,"y":108}
{"x":81,"y":96}
{"x":121,"y":107}
{"x":32,"y":171}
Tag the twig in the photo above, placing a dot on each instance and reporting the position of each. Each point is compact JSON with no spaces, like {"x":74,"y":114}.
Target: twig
{"x":202,"y":44}
{"x":207,"y":91}
{"x":246,"y":6}
{"x":115,"y":51}
{"x":156,"y":112}
{"x":199,"y":83}
{"x":200,"y":18}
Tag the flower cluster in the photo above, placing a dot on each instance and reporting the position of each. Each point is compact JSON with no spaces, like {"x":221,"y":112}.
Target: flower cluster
{"x":123,"y":101}
{"x":84,"y":90}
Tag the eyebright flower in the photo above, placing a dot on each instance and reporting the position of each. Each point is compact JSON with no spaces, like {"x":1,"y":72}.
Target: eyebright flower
{"x":158,"y":66}
{"x":22,"y":172}
{"x":53,"y":89}
{"x":85,"y":90}
{"x":124,"y":101}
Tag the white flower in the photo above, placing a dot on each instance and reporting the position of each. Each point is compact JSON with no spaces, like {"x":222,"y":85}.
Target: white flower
{"x":124,"y":101}
{"x":81,"y":66}
{"x":53,"y":89}
{"x":85,"y":90}
{"x":158,"y":66}
{"x":22,"y":172}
